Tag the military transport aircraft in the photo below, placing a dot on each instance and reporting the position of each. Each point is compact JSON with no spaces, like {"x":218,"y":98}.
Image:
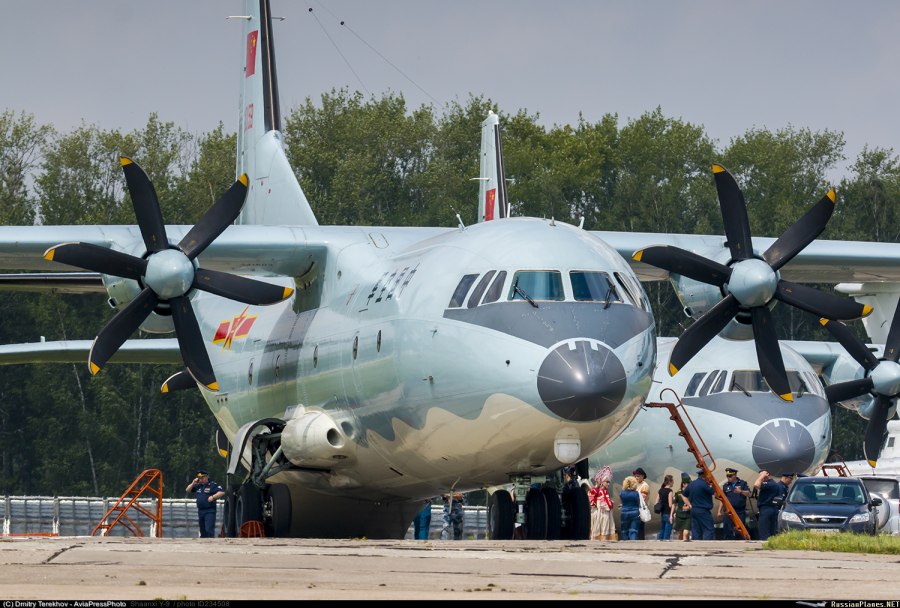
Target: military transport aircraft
{"x":357,"y":370}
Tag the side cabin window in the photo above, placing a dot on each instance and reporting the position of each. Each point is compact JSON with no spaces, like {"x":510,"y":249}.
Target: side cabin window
{"x":459,"y":295}
{"x":537,"y":285}
{"x":593,"y":287}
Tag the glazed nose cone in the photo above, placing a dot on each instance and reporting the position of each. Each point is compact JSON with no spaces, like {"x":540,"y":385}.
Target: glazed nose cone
{"x":582,"y":380}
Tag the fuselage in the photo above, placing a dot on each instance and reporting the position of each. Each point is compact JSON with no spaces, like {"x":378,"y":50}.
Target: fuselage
{"x":445,"y":357}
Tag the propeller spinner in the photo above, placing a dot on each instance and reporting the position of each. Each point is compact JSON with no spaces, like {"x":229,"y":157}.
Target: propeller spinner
{"x":750,"y":283}
{"x":167,"y":274}
{"x":882,"y":380}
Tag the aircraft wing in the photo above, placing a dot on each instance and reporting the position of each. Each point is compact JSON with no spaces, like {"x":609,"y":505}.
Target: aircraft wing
{"x":161,"y":350}
{"x":820,"y":262}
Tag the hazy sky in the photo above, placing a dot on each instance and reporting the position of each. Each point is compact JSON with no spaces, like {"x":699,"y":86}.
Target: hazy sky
{"x":728,"y":66}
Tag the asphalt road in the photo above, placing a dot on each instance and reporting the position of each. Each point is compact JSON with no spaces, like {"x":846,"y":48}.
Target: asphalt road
{"x":269,"y":569}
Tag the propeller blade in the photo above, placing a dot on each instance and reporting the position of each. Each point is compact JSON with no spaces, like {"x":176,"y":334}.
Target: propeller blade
{"x":892,"y":345}
{"x":98,"y":259}
{"x":851,"y":343}
{"x":685,"y":263}
{"x":240,"y":289}
{"x":146,"y":206}
{"x":119,"y":328}
{"x":841,"y":391}
{"x":768,"y":351}
{"x":876,"y":429}
{"x":216,"y":219}
{"x":190,"y":341}
{"x":702,"y":331}
{"x":803,"y":232}
{"x":178,"y":381}
{"x":821,"y":303}
{"x":734,"y":214}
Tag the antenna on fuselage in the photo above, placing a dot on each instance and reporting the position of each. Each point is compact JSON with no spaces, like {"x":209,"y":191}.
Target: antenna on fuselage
{"x":459,"y":219}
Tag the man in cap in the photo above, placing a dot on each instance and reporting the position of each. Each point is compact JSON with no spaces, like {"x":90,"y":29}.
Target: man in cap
{"x":700,"y":495}
{"x":207,"y":492}
{"x":736,"y":491}
{"x":770,"y":498}
{"x":643,"y":489}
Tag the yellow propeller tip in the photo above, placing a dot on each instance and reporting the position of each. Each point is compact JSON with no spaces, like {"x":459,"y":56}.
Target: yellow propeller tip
{"x":823,"y":321}
{"x":867,"y":310}
{"x":48,"y":255}
{"x":165,"y":388}
{"x":831,"y":195}
{"x":718,"y":169}
{"x":638,"y":255}
{"x":223,"y":453}
{"x":124,"y":160}
{"x":213,"y":386}
{"x":871,"y":463}
{"x":243,"y":179}
{"x":672,"y":370}
{"x":287,"y":292}
{"x":94,"y":368}
{"x":787,"y":397}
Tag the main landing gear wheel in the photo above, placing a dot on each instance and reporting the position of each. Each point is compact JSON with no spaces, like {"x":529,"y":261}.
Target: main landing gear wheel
{"x":535,"y":515}
{"x":278,"y":510}
{"x":228,"y":516}
{"x":501,"y":516}
{"x":248,"y":506}
{"x":578,"y":514}
{"x":554,"y":514}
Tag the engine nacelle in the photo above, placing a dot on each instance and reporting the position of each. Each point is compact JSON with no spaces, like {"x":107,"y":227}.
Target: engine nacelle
{"x":122,"y":291}
{"x":844,"y":369}
{"x":313,"y":439}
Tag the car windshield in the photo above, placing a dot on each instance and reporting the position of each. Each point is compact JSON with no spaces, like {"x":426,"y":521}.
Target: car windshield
{"x":826,"y":492}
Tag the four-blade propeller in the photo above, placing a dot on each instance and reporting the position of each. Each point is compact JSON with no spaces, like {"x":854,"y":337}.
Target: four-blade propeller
{"x":167,"y":274}
{"x":881,"y":380}
{"x":749,"y":283}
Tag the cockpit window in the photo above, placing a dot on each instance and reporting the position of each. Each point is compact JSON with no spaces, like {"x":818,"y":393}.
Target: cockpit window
{"x":719,"y":386}
{"x":537,"y":285}
{"x":704,"y":390}
{"x":626,"y":289}
{"x":691,"y":389}
{"x":752,"y":381}
{"x":496,"y":288}
{"x":461,"y":290}
{"x":593,"y":287}
{"x":479,"y":289}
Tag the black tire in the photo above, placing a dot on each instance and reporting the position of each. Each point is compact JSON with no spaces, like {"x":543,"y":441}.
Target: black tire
{"x":278,"y":507}
{"x":248,"y":506}
{"x":578,"y":514}
{"x":228,"y":523}
{"x":501,"y":516}
{"x":535,"y":526}
{"x":554,"y":514}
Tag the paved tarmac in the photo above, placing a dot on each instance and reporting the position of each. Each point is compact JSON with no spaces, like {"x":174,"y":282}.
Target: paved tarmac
{"x":269,"y":569}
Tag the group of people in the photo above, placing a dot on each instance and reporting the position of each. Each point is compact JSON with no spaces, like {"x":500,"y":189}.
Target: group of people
{"x":686,"y":513}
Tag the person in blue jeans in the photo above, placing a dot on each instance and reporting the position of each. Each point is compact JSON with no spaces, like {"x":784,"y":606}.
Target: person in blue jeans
{"x":665,"y":508}
{"x":422,"y":522}
{"x":629,"y":516}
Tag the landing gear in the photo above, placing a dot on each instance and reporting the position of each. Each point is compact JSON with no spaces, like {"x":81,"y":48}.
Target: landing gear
{"x":248,"y":506}
{"x":535,"y":515}
{"x":229,"y":526}
{"x":576,"y":514}
{"x":554,"y":513}
{"x":277,"y":510}
{"x":501,"y":516}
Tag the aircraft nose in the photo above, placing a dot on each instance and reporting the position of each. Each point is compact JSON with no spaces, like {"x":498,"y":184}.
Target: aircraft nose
{"x":782,"y":446}
{"x":582,"y":380}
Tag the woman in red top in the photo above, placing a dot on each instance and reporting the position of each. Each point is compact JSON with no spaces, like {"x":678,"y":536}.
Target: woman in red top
{"x":602,"y":524}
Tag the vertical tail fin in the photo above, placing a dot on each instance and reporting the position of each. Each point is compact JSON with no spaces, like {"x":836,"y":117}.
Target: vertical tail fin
{"x":274,"y":196}
{"x":492,"y":200}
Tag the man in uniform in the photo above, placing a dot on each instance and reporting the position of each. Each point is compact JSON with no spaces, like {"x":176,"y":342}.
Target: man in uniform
{"x":736,"y":491}
{"x":771,"y":496}
{"x":700,"y":495}
{"x":453,"y":516}
{"x":208,"y":492}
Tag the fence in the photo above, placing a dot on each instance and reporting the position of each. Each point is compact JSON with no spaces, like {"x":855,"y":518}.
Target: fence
{"x":78,"y":515}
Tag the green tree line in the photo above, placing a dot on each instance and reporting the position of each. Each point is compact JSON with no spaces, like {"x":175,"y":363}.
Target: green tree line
{"x":371,"y":161}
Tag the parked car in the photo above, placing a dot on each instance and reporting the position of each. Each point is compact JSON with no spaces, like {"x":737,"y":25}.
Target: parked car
{"x":829,"y":504}
{"x":887,"y":488}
